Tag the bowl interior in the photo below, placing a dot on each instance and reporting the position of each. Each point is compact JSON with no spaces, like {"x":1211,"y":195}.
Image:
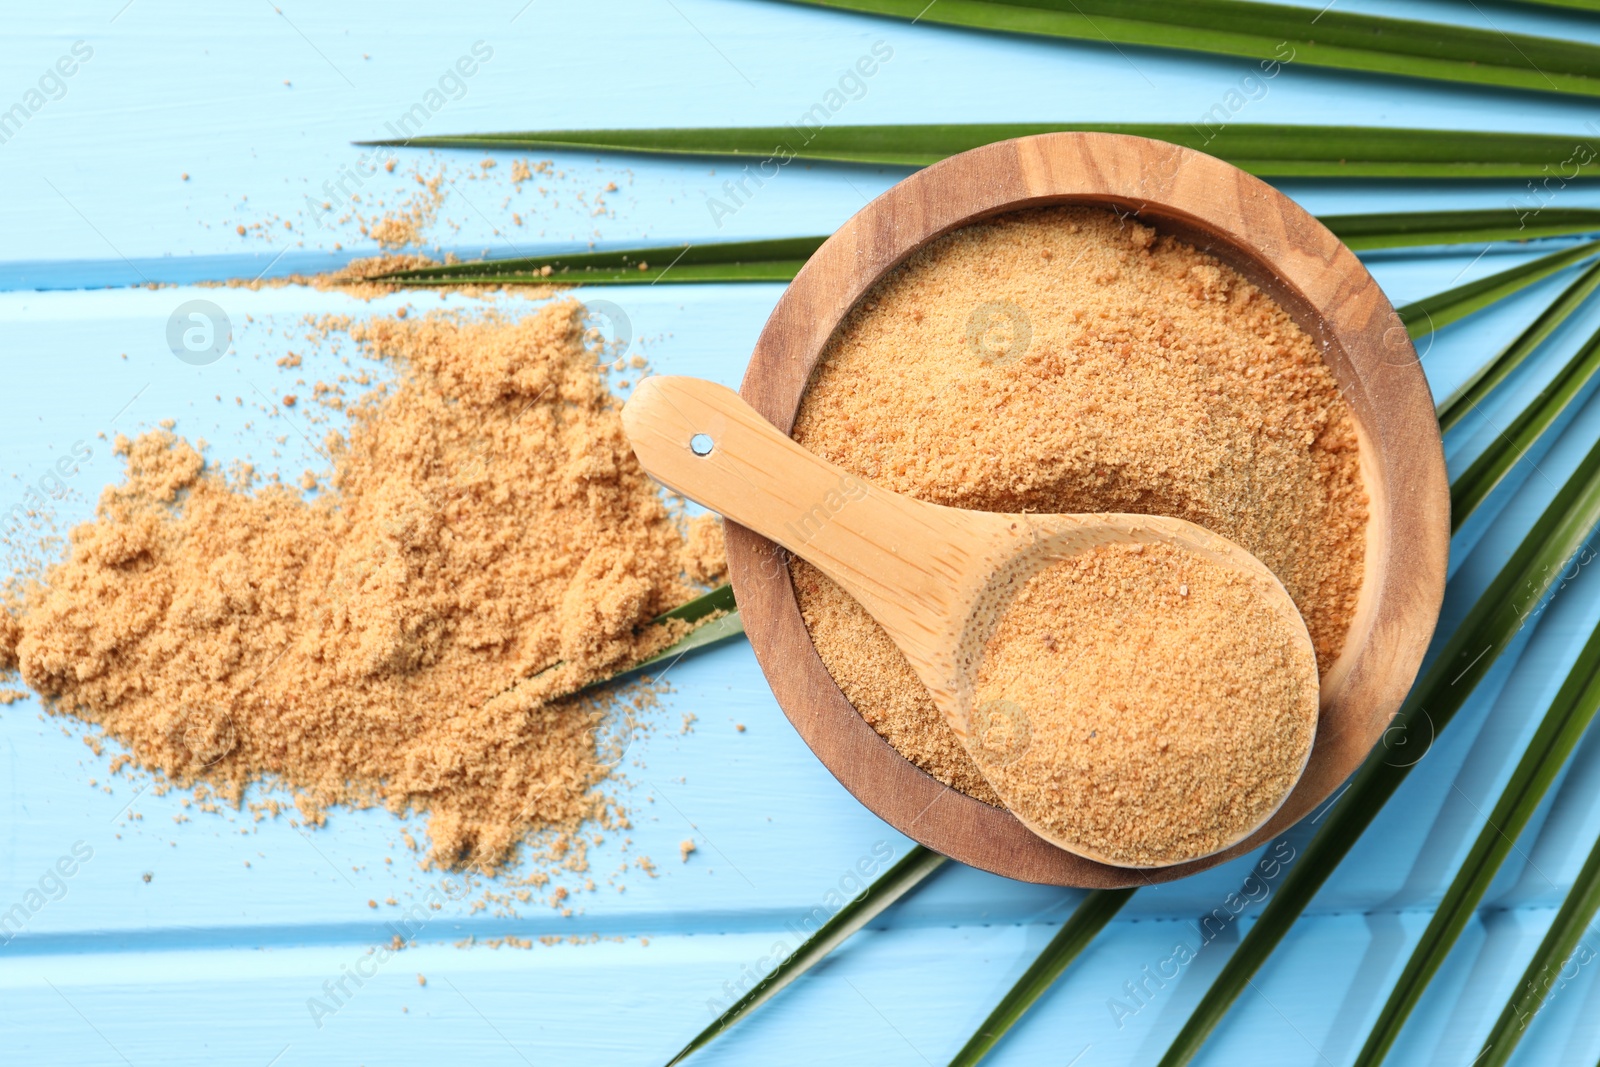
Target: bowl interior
{"x":1274,"y":244}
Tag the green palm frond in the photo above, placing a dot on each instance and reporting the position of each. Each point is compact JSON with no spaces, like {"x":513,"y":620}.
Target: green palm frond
{"x":774,"y":260}
{"x":718,"y":619}
{"x":1276,"y":35}
{"x":910,"y":872}
{"x":1576,"y":5}
{"x":1476,"y":389}
{"x":1440,"y":310}
{"x":1413,"y":229}
{"x":1268,"y":150}
{"x":779,"y":259}
{"x":1510,"y":444}
{"x":1564,"y":722}
{"x":1087,"y":920}
{"x":1544,"y":973}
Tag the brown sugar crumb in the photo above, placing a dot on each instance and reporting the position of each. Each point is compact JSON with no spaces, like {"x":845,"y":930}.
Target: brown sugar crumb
{"x":1124,"y":372}
{"x":686,"y":849}
{"x":484,"y":541}
{"x":1153,"y":728}
{"x":705,"y":555}
{"x":408,"y":223}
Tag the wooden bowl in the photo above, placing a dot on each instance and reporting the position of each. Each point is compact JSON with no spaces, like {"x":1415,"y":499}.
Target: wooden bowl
{"x":1268,"y":239}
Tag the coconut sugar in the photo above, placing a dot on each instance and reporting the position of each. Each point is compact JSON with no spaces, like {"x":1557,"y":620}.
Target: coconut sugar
{"x":1144,"y":704}
{"x":1071,"y":360}
{"x":484,"y":541}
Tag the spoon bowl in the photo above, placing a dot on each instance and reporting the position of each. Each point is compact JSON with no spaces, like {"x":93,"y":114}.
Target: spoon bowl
{"x":936,"y":578}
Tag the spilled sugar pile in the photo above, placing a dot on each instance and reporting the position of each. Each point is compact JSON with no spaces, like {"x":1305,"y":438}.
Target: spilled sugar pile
{"x":484,"y":543}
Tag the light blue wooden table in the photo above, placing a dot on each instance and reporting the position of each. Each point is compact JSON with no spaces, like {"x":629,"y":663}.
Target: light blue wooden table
{"x":211,"y":961}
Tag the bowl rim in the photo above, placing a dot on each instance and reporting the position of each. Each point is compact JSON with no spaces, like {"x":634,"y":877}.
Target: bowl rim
{"x":1274,"y":243}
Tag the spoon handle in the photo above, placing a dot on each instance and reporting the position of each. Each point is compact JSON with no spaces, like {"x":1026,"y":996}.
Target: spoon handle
{"x":905,"y":561}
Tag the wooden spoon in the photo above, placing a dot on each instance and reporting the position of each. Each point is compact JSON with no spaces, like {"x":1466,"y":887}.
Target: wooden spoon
{"x":936,"y":578}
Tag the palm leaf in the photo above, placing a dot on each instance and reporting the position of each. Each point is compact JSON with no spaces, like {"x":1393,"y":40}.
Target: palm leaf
{"x":708,"y":603}
{"x":715,"y":632}
{"x":1438,"y":311}
{"x":1544,"y":970}
{"x":911,"y":871}
{"x":1563,"y":724}
{"x":717,"y":629}
{"x":1578,"y":5}
{"x":1276,"y":35}
{"x":1087,"y":920}
{"x":1410,"y":229}
{"x":779,"y":259}
{"x":1268,"y":150}
{"x":1512,"y":443}
{"x":1472,"y":392}
{"x":1466,"y":656}
{"x":731,"y":261}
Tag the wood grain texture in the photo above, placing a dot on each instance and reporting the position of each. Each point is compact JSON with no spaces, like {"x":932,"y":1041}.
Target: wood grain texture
{"x":1272,"y":242}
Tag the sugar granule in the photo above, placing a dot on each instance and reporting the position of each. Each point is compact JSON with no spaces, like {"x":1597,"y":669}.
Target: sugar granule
{"x":484,"y":541}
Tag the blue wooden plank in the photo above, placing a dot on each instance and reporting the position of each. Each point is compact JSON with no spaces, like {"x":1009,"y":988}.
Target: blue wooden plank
{"x":212,"y":961}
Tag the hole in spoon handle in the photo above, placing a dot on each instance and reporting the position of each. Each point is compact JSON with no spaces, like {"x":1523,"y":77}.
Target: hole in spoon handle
{"x":702,"y":440}
{"x":876,"y":544}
